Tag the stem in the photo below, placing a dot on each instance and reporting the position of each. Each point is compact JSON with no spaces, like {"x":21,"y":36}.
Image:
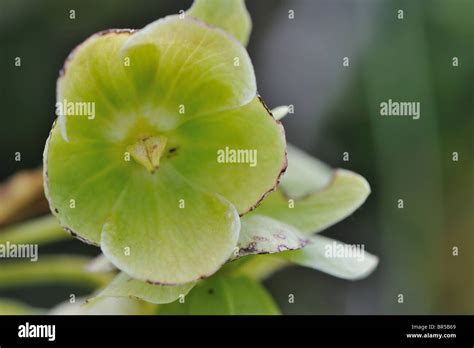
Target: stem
{"x":69,"y":269}
{"x":42,"y":230}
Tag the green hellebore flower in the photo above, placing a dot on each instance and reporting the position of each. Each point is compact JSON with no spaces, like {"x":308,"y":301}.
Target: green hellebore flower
{"x":132,"y":163}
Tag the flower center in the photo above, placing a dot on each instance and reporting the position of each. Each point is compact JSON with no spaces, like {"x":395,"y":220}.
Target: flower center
{"x":148,"y":151}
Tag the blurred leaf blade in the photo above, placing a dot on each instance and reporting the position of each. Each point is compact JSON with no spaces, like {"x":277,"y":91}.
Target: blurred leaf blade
{"x":65,"y":269}
{"x":42,"y":230}
{"x":13,"y":307}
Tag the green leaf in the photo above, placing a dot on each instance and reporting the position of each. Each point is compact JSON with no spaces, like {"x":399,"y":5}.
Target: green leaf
{"x":264,"y":235}
{"x":125,"y":286}
{"x":327,"y":255}
{"x":208,"y":143}
{"x":224,"y":295}
{"x":41,"y":230}
{"x":317,"y":211}
{"x":230,"y":15}
{"x":152,"y":239}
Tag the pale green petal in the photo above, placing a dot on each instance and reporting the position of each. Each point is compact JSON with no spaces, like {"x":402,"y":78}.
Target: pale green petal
{"x":304,"y":175}
{"x":325,"y":254}
{"x":83,"y":180}
{"x":103,"y":306}
{"x":229,"y":15}
{"x":280,"y":111}
{"x":310,"y":198}
{"x":95,"y":97}
{"x":184,"y":68}
{"x":206,"y":145}
{"x":224,"y":295}
{"x":164,"y":231}
{"x":319,"y":210}
{"x":125,"y":286}
{"x":151,"y":80}
{"x":263,"y":235}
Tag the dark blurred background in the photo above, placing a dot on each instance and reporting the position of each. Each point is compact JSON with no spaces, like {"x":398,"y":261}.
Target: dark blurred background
{"x":300,"y":61}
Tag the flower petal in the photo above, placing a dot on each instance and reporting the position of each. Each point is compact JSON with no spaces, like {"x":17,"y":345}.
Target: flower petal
{"x":162,"y":230}
{"x":304,"y":175}
{"x":95,"y":96}
{"x":75,"y":172}
{"x":315,"y":255}
{"x":280,"y":111}
{"x":263,"y":235}
{"x":317,"y":211}
{"x":230,"y":15}
{"x":103,"y":306}
{"x":209,"y":147}
{"x":185,"y":67}
{"x":125,"y":286}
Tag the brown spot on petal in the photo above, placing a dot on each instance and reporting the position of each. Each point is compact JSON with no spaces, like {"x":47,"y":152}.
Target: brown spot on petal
{"x":260,"y":239}
{"x":279,"y":236}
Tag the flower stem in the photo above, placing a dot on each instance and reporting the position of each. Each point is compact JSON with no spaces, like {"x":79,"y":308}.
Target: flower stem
{"x":68,"y":269}
{"x":42,"y":230}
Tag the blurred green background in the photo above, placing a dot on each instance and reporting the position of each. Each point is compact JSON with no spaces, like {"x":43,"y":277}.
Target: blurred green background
{"x":299,"y":61}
